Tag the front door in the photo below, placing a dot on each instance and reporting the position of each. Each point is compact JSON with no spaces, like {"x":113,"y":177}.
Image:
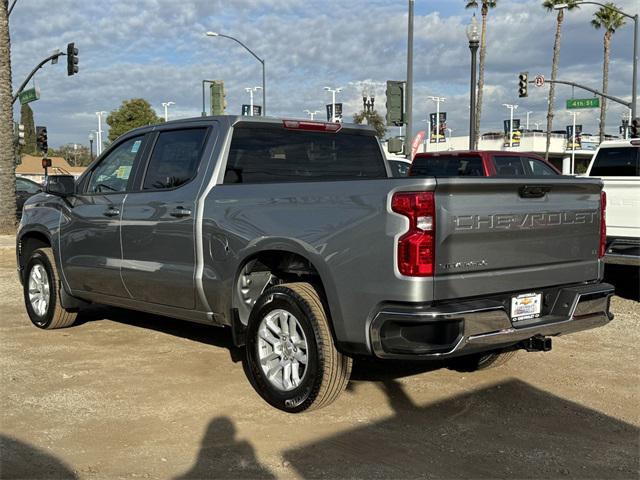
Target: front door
{"x":90,"y":230}
{"x":158,"y":222}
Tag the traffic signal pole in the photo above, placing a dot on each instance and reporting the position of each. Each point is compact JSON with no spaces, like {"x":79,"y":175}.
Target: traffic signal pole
{"x":592,"y":90}
{"x":33,"y":72}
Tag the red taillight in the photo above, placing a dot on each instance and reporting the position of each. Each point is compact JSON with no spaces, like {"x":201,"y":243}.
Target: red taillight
{"x":416,"y":248}
{"x":603,"y":224}
{"x":312,"y":126}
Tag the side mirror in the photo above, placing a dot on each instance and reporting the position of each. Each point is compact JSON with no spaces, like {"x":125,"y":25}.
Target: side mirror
{"x":60,"y":185}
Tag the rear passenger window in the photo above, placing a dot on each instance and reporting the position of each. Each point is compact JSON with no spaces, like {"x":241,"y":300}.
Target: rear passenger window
{"x":447,"y":166}
{"x":175,"y":158}
{"x":507,"y":166}
{"x":274,"y":154}
{"x":616,"y":162}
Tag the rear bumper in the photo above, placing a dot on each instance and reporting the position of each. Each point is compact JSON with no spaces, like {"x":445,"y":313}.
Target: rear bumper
{"x":401,"y":331}
{"x":623,"y":251}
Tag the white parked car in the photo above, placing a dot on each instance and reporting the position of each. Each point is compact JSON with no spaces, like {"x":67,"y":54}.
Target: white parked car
{"x":617,"y":162}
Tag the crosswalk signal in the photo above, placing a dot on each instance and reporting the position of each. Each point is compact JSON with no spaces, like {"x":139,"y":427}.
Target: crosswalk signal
{"x":635,"y":128}
{"x":41,"y":139}
{"x":395,"y":103}
{"x":72,"y":59}
{"x":523,"y":84}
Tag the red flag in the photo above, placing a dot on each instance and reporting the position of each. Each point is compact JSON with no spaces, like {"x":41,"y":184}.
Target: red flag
{"x":416,"y":143}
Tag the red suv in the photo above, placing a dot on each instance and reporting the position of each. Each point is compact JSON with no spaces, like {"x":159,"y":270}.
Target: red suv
{"x":480,"y":164}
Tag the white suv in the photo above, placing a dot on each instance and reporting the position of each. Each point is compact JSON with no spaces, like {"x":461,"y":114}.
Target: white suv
{"x":618,"y":164}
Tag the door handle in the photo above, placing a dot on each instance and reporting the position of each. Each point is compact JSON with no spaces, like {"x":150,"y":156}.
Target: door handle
{"x":180,"y":212}
{"x":533,"y":191}
{"x":111,"y":212}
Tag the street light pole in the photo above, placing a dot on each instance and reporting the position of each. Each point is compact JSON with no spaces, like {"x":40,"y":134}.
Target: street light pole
{"x":473,"y":34}
{"x":573,"y":143}
{"x":333,"y":92}
{"x":261,"y":60}
{"x":312,"y":115}
{"x":99,"y":139}
{"x":250,"y":91}
{"x":166,"y":106}
{"x":409,"y":91}
{"x":511,"y":109}
{"x":437,"y":100}
{"x":528,"y":113}
{"x":634,"y":80}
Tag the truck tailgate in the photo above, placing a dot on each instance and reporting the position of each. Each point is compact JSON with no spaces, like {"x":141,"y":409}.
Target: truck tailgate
{"x":513,"y":234}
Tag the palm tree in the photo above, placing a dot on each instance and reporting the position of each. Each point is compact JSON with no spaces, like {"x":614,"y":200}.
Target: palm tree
{"x":7,"y":149}
{"x":548,"y":5}
{"x":485,"y":6}
{"x":610,"y":20}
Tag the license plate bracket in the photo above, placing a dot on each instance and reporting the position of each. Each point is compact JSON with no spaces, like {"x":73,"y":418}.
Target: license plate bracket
{"x":526,"y":306}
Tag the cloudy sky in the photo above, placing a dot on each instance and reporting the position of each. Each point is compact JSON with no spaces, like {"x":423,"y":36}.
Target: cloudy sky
{"x":157,"y":49}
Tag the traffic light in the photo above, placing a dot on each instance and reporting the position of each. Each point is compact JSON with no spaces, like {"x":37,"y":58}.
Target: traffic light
{"x":21,"y":140}
{"x":72,"y":59}
{"x":635,"y":128}
{"x":218,"y":102}
{"x":395,"y":103}
{"x":41,"y":139}
{"x":523,"y":84}
{"x":395,"y":145}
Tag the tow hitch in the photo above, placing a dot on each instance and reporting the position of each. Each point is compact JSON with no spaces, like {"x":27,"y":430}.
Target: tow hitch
{"x":537,"y":344}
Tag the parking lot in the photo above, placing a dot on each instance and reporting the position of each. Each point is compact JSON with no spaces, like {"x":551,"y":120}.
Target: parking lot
{"x":128,"y":395}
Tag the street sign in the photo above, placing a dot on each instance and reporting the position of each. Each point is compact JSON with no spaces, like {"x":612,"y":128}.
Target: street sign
{"x":583,"y":103}
{"x":539,"y":80}
{"x":29,"y":95}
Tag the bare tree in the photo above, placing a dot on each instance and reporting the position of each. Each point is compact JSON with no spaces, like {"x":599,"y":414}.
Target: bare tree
{"x":7,"y":147}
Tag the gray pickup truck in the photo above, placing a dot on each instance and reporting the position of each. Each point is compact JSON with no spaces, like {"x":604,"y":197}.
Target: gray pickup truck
{"x":293,"y":235}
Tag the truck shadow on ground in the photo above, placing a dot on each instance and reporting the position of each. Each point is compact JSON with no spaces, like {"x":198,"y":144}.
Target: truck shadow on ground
{"x":20,"y":460}
{"x":508,"y":430}
{"x":626,"y":279}
{"x":206,"y":334}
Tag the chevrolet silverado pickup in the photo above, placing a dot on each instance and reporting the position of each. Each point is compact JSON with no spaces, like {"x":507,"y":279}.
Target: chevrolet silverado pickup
{"x":617,"y":163}
{"x":294,"y":235}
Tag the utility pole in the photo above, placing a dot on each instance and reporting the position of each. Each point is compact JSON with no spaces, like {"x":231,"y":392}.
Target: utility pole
{"x":409,"y":91}
{"x":437,"y":100}
{"x":511,"y":109}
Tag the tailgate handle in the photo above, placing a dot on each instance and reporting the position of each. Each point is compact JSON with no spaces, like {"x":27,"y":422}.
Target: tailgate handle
{"x":533,"y":191}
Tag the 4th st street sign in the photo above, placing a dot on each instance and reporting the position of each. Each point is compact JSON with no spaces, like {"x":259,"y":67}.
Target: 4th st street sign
{"x":583,"y":103}
{"x":30,"y":95}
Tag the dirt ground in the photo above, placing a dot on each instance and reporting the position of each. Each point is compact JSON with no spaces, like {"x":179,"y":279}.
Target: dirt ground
{"x":128,"y":395}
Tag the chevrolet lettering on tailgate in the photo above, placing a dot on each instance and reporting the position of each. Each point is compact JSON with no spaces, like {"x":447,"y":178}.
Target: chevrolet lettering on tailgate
{"x":527,"y":221}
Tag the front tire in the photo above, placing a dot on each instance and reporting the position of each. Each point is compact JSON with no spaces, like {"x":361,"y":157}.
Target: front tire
{"x":41,"y":289}
{"x":291,"y":357}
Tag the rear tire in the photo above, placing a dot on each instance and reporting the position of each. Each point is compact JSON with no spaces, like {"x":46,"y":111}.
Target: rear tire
{"x":482,"y":361}
{"x":291,"y":357}
{"x":41,"y":289}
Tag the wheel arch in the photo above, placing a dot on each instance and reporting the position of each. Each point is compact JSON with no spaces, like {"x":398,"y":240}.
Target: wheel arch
{"x":282,"y":265}
{"x":27,"y":243}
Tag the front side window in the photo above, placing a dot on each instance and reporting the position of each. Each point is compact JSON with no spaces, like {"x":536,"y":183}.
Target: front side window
{"x":113,"y":173}
{"x":616,"y":162}
{"x":507,"y":166}
{"x":274,"y":154}
{"x":175,"y":158}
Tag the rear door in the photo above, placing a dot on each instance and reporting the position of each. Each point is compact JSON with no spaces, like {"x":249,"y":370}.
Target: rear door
{"x":158,"y":221}
{"x":503,"y":235}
